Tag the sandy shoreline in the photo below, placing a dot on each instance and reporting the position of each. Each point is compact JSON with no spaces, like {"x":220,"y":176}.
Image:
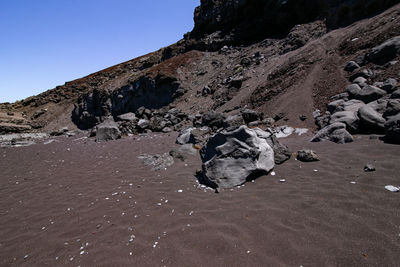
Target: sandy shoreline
{"x":75,"y":202}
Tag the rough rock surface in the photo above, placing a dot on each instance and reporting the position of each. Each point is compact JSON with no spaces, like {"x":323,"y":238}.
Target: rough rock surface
{"x":386,"y":51}
{"x":392,"y":129}
{"x":232,"y":158}
{"x":107,"y":130}
{"x":369,"y":94}
{"x":371,"y":121}
{"x":336,"y":132}
{"x":245,"y":21}
{"x":307,"y":155}
{"x":349,"y":118}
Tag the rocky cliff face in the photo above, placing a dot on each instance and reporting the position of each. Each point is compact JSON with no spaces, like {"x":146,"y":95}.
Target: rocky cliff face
{"x":245,"y":21}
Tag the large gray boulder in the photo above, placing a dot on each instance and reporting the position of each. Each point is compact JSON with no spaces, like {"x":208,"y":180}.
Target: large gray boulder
{"x":107,"y":130}
{"x":371,"y":120}
{"x":335,"y":132}
{"x":389,"y":85}
{"x":232,"y":158}
{"x":369,"y":94}
{"x":379,"y":105}
{"x":352,"y":105}
{"x":392,"y":129}
{"x":385,"y":52}
{"x":353,"y":89}
{"x":349,"y":118}
{"x":392,"y":108}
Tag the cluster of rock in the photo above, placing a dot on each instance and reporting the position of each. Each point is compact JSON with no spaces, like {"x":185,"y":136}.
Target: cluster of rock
{"x":364,"y":107}
{"x":145,"y":91}
{"x":142,"y":121}
{"x":232,"y":148}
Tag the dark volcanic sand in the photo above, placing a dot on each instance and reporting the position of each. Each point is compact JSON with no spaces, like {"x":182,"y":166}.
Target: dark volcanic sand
{"x":59,"y":197}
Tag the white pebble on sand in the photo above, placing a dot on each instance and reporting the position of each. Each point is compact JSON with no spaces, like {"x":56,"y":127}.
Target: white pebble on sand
{"x":180,"y":191}
{"x":82,"y":252}
{"x":353,"y":182}
{"x":273,"y":173}
{"x":26,"y":256}
{"x":392,"y":188}
{"x":282,"y":180}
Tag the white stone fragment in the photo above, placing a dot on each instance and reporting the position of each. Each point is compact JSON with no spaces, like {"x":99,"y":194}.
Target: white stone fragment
{"x":392,"y":188}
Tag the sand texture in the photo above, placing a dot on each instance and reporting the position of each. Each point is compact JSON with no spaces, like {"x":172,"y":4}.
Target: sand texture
{"x":76,"y":202}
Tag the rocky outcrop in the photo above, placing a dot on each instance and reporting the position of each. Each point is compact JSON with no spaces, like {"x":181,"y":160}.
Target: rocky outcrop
{"x":144,"y":92}
{"x":245,"y":21}
{"x":232,"y":158}
{"x":107,"y":130}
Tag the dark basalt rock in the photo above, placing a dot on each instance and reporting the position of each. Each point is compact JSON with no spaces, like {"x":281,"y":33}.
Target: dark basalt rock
{"x":139,"y":96}
{"x":246,"y":21}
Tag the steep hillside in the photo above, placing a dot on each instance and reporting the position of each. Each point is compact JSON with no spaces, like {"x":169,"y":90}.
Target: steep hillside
{"x":289,"y":70}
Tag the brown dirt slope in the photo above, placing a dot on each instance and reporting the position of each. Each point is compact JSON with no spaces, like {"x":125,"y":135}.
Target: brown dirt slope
{"x":294,"y":75}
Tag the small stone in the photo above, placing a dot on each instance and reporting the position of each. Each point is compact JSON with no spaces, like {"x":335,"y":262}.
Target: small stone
{"x":392,"y":188}
{"x":307,"y":156}
{"x":369,"y":168}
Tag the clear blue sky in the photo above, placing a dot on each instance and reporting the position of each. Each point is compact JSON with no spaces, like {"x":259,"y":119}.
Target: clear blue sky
{"x":44,"y":43}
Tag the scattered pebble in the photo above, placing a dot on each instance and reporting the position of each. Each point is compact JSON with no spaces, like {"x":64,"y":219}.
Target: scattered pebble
{"x":180,"y":191}
{"x":282,"y":180}
{"x":369,"y":168}
{"x":82,"y":252}
{"x":353,"y":182}
{"x":26,"y":256}
{"x":392,"y":188}
{"x":273,"y":173}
